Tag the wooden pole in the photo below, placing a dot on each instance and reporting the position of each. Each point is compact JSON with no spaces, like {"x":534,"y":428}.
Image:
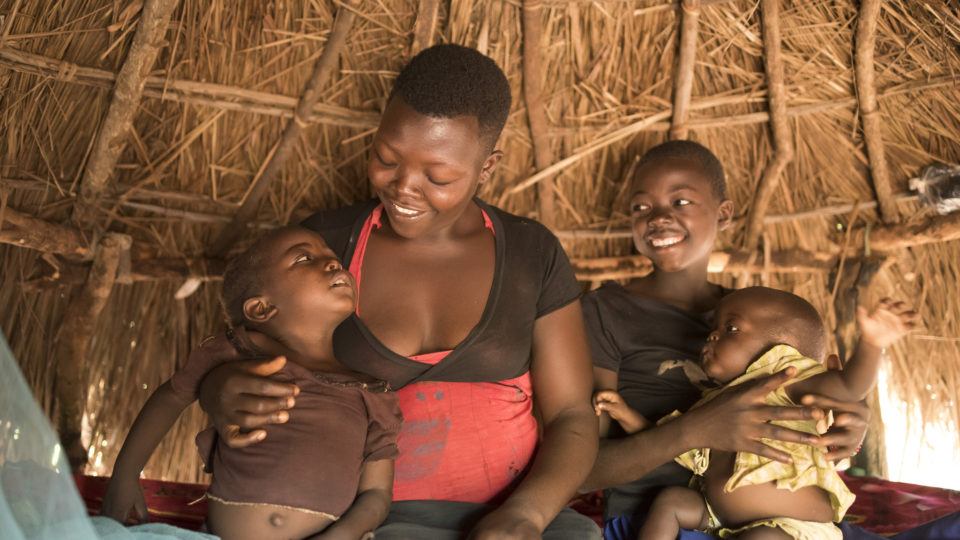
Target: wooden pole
{"x":869,"y":110}
{"x":683,"y":81}
{"x":154,"y":19}
{"x":533,"y":73}
{"x":426,"y":25}
{"x":291,"y":134}
{"x":37,"y":234}
{"x":782,"y":143}
{"x":72,"y":342}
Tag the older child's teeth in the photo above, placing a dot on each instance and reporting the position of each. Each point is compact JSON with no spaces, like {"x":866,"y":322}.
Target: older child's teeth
{"x":664,"y":242}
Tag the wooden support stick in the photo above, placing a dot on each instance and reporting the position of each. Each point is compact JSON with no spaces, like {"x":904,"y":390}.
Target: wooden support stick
{"x":218,"y":96}
{"x":533,"y":73}
{"x":426,"y":25}
{"x":154,"y":19}
{"x":40,"y":235}
{"x":291,"y":134}
{"x":683,"y":81}
{"x":72,"y":342}
{"x":782,"y":143}
{"x":869,"y":111}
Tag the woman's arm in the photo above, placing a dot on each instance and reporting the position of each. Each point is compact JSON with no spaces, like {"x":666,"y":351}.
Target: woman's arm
{"x":240,"y":397}
{"x":371,"y":506}
{"x":734,"y":421}
{"x":154,"y":421}
{"x":562,"y":382}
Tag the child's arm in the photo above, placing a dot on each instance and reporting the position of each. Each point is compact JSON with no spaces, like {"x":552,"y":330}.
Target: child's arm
{"x":879,"y":329}
{"x":154,"y":421}
{"x":371,"y":506}
{"x":613,"y":404}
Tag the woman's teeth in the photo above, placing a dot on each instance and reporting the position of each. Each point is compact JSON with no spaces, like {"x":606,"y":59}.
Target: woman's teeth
{"x":406,"y":211}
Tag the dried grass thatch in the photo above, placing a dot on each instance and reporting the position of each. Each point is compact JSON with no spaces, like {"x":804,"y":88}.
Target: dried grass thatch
{"x":228,"y":77}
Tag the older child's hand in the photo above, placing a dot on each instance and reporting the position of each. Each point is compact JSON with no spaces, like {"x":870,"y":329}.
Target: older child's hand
{"x":613,"y":404}
{"x":849,"y":428}
{"x":123,"y":495}
{"x":887,"y":323}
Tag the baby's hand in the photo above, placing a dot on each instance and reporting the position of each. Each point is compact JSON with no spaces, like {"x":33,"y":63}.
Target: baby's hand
{"x":629,"y":419}
{"x":887,"y":323}
{"x":123,"y":495}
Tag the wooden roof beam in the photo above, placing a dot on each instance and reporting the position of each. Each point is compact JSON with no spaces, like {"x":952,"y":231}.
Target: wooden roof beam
{"x":533,"y":73}
{"x":782,"y":142}
{"x":687,"y":59}
{"x":869,"y":109}
{"x":425,"y":27}
{"x":278,"y":156}
{"x":154,"y":19}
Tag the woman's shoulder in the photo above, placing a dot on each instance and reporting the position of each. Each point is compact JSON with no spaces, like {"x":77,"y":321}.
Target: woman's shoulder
{"x":515,"y":225}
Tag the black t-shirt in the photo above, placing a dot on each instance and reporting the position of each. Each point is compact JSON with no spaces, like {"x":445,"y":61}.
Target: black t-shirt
{"x":532,"y":277}
{"x":655,"y":349}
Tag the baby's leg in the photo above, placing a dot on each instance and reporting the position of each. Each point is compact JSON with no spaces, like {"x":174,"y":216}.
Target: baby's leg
{"x":673,"y":509}
{"x":764,"y":533}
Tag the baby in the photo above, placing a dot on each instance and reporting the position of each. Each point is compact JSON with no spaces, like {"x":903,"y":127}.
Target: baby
{"x":757,"y":332}
{"x":330,"y":466}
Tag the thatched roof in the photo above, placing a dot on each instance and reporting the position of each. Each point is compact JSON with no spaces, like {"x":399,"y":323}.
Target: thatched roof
{"x":226,"y":80}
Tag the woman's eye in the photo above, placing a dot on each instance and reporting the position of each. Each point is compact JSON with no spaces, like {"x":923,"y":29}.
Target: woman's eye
{"x":382,"y":161}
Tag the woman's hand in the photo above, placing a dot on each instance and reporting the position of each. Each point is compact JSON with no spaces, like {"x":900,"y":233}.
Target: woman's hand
{"x":123,"y":496}
{"x":240,"y":397}
{"x":850,"y":420}
{"x":737,"y":420}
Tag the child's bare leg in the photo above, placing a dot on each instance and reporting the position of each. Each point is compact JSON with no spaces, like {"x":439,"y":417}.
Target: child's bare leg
{"x":674,"y":508}
{"x":764,"y":533}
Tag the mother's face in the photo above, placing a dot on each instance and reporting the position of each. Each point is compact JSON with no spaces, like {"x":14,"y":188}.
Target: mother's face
{"x":426,"y":170}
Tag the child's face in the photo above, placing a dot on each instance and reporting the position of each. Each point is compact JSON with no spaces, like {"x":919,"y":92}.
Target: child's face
{"x":426,"y":170}
{"x":740,"y":335}
{"x":305,"y":281}
{"x":675,"y":214}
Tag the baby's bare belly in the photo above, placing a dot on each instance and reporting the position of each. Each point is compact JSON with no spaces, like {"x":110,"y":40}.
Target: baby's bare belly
{"x":262,"y":521}
{"x":751,"y":503}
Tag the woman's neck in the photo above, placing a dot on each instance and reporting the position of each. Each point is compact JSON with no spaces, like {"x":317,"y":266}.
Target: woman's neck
{"x":687,"y":289}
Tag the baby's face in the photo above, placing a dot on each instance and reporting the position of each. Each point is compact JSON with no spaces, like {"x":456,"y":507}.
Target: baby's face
{"x":305,"y":280}
{"x":741,"y":333}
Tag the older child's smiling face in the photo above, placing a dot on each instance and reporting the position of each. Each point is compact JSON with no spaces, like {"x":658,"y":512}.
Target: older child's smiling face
{"x":426,"y":170}
{"x":676,"y":214}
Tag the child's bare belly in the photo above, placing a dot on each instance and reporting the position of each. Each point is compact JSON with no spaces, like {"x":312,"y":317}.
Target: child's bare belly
{"x":266,"y":522}
{"x":751,"y":503}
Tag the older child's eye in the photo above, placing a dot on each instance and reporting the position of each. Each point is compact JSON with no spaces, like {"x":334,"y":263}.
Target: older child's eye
{"x":639,"y":207}
{"x":303,"y":257}
{"x":383,"y":161}
{"x":683,"y":202}
{"x":732,"y":329}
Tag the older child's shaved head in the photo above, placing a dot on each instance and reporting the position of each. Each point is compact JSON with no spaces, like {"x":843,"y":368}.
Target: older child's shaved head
{"x":694,"y":153}
{"x":446,"y":81}
{"x":788,"y":319}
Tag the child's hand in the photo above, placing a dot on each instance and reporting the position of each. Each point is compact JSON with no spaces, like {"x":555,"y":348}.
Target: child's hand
{"x":887,"y":323}
{"x":629,"y":419}
{"x":123,"y":495}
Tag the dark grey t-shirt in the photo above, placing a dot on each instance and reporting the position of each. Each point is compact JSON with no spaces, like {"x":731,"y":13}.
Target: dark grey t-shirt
{"x":654,"y":348}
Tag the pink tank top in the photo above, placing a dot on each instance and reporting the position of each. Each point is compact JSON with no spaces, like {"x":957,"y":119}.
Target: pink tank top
{"x":466,"y":442}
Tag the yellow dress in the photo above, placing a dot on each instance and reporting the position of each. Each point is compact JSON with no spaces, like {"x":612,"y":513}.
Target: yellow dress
{"x":809,"y":467}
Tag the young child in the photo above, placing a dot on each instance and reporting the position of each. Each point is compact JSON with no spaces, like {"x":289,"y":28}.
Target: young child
{"x":759,"y":331}
{"x":330,"y":466}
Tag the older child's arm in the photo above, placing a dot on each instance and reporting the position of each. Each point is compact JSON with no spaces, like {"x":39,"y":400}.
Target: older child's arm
{"x":154,"y":421}
{"x":879,"y":329}
{"x":371,"y":506}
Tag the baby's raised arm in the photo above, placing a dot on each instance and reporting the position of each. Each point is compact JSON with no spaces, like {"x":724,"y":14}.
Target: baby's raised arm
{"x":879,"y":329}
{"x":154,"y":421}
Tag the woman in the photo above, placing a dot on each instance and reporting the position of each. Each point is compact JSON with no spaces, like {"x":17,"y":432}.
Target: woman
{"x":467,"y":311}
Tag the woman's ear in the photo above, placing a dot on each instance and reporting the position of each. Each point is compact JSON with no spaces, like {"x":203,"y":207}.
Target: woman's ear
{"x":258,"y":310}
{"x":725,"y":214}
{"x":490,"y":165}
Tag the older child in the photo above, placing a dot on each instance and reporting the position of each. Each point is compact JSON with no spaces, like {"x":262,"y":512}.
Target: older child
{"x":759,"y":331}
{"x":646,"y":337}
{"x":330,"y":467}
